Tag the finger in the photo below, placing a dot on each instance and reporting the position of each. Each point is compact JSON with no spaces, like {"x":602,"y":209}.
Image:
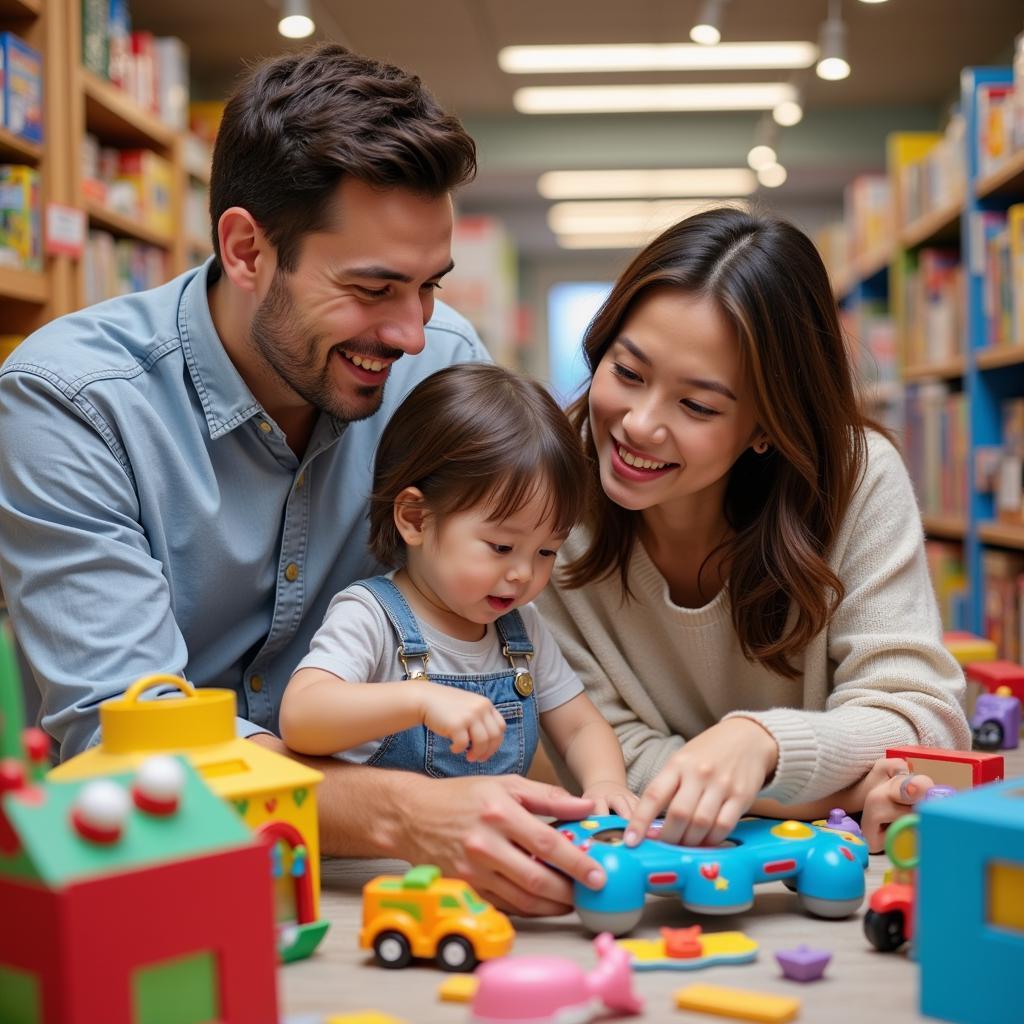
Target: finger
{"x":658,"y":793}
{"x":513,"y":899}
{"x":480,"y":741}
{"x":622,"y":804}
{"x":909,"y":789}
{"x":600,"y":806}
{"x":704,"y":816}
{"x":547,"y":799}
{"x":460,"y":740}
{"x":879,"y":813}
{"x":731,"y":812}
{"x":680,"y":810}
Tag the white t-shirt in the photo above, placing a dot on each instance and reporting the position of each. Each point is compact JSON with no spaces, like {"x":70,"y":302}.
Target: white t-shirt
{"x":357,"y":642}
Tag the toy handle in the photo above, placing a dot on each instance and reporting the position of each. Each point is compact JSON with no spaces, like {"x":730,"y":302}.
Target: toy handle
{"x":132,"y":694}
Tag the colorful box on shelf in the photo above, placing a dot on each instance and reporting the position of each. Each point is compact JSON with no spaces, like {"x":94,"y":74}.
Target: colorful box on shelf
{"x":20,"y":233}
{"x":152,"y":179}
{"x":21,"y":71}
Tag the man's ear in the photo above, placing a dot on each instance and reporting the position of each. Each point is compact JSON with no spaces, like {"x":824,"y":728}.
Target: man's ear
{"x":410,"y":511}
{"x":245,"y":252}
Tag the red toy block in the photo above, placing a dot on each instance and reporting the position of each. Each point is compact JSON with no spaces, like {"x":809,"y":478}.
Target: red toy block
{"x":961,"y":769}
{"x":993,"y":674}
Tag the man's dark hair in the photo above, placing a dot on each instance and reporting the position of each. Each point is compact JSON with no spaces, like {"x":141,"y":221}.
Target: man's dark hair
{"x":301,"y":122}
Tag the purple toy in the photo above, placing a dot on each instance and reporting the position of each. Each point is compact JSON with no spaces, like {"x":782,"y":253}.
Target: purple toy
{"x":996,"y":721}
{"x":842,"y":822}
{"x":550,"y":989}
{"x":803,"y":963}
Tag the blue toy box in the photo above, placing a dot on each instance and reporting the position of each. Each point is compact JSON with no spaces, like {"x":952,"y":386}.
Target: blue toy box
{"x":21,"y":70}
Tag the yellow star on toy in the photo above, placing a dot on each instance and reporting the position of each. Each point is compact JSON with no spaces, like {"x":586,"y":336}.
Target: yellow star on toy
{"x":721,"y":884}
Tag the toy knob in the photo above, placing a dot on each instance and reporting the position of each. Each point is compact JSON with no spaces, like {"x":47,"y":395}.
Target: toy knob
{"x":158,"y":785}
{"x":1004,"y":691}
{"x":99,"y":812}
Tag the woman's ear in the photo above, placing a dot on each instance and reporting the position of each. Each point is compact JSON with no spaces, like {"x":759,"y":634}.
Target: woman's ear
{"x":410,"y":510}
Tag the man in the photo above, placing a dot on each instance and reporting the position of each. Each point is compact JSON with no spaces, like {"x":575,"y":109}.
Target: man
{"x":184,"y":472}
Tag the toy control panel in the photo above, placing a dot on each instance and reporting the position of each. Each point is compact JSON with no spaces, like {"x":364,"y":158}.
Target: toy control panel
{"x":824,"y":866}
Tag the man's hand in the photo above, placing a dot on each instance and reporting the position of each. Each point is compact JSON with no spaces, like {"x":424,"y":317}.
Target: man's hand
{"x":707,"y":785}
{"x":483,"y":829}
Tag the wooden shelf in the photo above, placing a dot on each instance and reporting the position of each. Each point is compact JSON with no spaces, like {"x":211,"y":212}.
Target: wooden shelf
{"x":119,"y":224}
{"x":939,"y":225}
{"x":949,"y":369}
{"x":992,"y":358}
{"x":20,"y":8}
{"x":114,"y":116}
{"x":882,"y":393}
{"x":1007,"y":180}
{"x":16,"y":150}
{"x":23,"y":285}
{"x":199,"y":244}
{"x":1004,"y":535}
{"x":946,"y":527}
{"x":871,"y":263}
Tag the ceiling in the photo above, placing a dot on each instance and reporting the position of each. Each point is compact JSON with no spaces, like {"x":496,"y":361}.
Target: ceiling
{"x":905,"y":57}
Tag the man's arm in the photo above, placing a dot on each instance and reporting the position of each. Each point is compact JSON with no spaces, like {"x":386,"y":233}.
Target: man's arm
{"x":482,"y":829}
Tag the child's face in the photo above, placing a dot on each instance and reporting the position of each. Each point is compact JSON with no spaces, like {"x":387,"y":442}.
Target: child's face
{"x":478,"y":569}
{"x":670,"y":392}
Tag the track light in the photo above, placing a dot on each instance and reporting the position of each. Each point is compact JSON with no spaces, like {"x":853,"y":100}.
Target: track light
{"x":789,"y":112}
{"x":832,"y":65}
{"x":296,"y":21}
{"x":762,"y":153}
{"x":708,"y":29}
{"x":772,"y":175}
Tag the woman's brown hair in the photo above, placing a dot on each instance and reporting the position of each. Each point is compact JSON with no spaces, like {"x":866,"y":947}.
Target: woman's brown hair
{"x":784,"y":508}
{"x":474,"y":433}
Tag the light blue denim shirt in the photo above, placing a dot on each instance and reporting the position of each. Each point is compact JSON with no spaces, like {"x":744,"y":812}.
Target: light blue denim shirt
{"x":153,"y":518}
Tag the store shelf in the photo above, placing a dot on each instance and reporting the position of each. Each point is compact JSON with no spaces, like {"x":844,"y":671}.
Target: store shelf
{"x":886,"y":392}
{"x":993,"y":358}
{"x":119,"y":120}
{"x":21,"y":8}
{"x":946,"y":527}
{"x":196,"y":156}
{"x":1004,"y":535}
{"x":16,"y":150}
{"x":871,"y":263}
{"x":949,"y":369}
{"x":23,"y":285}
{"x":938,"y":226}
{"x":199,"y":244}
{"x":119,"y":224}
{"x":1007,"y":180}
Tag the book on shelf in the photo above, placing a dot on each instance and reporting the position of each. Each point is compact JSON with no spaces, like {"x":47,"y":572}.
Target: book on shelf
{"x":1017,"y":129}
{"x":1003,"y":582}
{"x":949,"y":580}
{"x":995,"y":125}
{"x":21,"y":87}
{"x":935,"y":448}
{"x":933,"y":302}
{"x":20,"y":224}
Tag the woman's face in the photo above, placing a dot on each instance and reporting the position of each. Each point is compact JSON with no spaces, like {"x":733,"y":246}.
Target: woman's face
{"x":669,"y":408}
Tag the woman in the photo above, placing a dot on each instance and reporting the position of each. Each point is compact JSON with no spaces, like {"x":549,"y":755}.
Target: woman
{"x":749,"y":602}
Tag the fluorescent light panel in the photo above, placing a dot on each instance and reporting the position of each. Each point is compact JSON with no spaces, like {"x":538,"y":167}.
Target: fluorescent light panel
{"x":609,"y":240}
{"x":595,"y":99}
{"x":647,"y":184}
{"x":523,"y":60}
{"x":625,"y":216}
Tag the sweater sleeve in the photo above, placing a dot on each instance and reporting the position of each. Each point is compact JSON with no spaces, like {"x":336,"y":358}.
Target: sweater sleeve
{"x":645,"y":747}
{"x":893,"y":683}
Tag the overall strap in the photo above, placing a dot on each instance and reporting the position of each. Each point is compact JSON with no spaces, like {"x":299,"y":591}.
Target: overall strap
{"x":516,"y":646}
{"x":411,"y":646}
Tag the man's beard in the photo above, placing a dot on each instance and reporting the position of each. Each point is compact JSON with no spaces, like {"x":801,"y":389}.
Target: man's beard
{"x":290,"y":350}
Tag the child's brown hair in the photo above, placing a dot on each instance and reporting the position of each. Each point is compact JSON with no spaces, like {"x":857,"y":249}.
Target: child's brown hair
{"x":471,"y":433}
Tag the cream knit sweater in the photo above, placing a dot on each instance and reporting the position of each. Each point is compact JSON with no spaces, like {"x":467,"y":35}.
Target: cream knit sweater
{"x":877,"y":676}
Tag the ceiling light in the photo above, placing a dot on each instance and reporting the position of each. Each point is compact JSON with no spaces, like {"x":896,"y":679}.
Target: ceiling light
{"x":789,"y":112}
{"x":607,"y":240}
{"x":761,"y":156}
{"x":763,"y":153}
{"x":594,"y":99}
{"x":832,"y":65}
{"x":647,"y":184}
{"x":872,"y":1}
{"x":772,"y":176}
{"x":708,"y":29}
{"x":296,"y":21}
{"x":620,"y":216}
{"x":525,"y":60}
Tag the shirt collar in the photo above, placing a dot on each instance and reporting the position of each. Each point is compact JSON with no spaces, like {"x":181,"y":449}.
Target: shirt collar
{"x":225,"y":397}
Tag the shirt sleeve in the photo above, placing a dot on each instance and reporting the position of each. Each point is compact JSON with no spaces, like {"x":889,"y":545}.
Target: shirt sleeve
{"x":556,"y":682}
{"x":644,"y":748}
{"x":352,"y":642}
{"x":89,"y":604}
{"x":893,"y":682}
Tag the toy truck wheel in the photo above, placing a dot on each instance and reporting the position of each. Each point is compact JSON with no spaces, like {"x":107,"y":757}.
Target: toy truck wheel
{"x":618,"y":922}
{"x":392,"y":949}
{"x":988,"y":736}
{"x":833,"y":909}
{"x":884,"y":931}
{"x":456,"y":954}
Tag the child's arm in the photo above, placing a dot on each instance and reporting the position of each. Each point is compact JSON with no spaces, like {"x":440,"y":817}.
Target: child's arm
{"x":321,"y":713}
{"x":587,"y":744}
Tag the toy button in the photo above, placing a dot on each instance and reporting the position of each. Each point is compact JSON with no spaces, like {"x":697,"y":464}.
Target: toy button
{"x":589,"y":824}
{"x":709,"y":870}
{"x":793,"y":830}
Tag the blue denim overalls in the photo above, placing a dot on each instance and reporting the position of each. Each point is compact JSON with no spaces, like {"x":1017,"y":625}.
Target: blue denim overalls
{"x":511,"y":692}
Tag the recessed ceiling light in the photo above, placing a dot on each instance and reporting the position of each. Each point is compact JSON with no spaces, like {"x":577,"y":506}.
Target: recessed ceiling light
{"x":652,"y":216}
{"x":649,"y":184}
{"x":523,"y":60}
{"x":595,"y":99}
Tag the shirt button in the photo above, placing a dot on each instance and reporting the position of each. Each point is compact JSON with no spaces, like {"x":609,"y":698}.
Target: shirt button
{"x":265,"y":427}
{"x":291,"y":572}
{"x":256,"y":684}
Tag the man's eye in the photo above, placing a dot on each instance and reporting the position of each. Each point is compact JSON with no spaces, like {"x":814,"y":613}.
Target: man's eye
{"x":373,"y":293}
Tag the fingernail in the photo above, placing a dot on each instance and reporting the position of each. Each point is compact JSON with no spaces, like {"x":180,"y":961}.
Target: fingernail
{"x":630,"y":838}
{"x":595,"y":879}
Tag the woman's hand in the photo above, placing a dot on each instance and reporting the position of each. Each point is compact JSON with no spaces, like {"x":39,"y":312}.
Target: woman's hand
{"x":705,"y":787}
{"x":892,"y":792}
{"x":611,"y":798}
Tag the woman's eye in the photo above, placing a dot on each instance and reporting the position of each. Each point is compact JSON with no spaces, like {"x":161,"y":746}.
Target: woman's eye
{"x":698,"y":409}
{"x":624,"y":372}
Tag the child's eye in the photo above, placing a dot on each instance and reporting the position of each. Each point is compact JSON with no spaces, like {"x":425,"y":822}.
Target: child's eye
{"x":547,"y":553}
{"x":698,"y":409}
{"x":502,"y":549}
{"x":625,"y":373}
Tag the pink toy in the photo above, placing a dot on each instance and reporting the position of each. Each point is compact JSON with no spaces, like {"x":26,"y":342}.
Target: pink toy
{"x":553,"y":990}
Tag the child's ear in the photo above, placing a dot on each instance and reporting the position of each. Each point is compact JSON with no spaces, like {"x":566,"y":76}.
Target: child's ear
{"x":410,"y":510}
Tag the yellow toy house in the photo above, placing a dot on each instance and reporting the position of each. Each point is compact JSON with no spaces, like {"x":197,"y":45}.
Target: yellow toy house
{"x":274,"y":795}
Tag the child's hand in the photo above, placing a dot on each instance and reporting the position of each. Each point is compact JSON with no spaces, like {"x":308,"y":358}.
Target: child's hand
{"x":470,"y":721}
{"x":706,"y":786}
{"x":892,"y":792}
{"x":611,"y":798}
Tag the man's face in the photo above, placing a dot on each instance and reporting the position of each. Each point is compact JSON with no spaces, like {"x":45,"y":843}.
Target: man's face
{"x":358,"y":298}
